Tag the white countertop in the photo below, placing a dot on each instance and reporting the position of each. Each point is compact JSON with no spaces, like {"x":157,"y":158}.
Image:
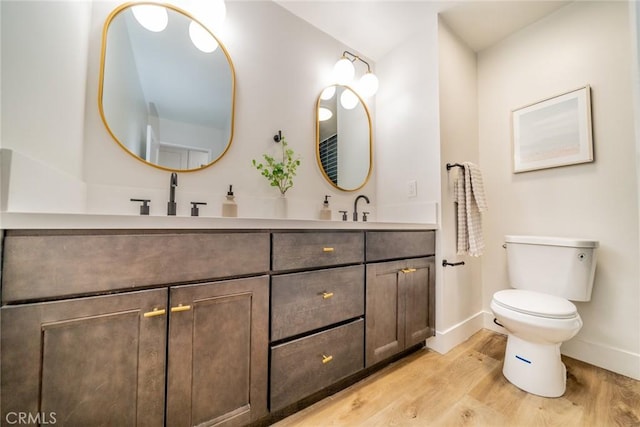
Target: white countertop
{"x":44,"y":221}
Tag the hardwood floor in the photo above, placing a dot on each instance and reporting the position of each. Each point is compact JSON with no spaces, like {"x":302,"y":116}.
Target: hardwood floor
{"x":465,"y":387}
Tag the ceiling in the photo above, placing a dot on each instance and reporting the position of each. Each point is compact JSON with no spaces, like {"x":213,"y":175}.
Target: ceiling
{"x":374,"y":27}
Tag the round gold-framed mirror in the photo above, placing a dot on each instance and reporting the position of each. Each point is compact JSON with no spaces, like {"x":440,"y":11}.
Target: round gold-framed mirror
{"x":344,"y":144}
{"x":162,"y":98}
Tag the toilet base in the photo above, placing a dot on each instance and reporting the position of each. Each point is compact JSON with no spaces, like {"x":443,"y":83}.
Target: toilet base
{"x":534,"y":367}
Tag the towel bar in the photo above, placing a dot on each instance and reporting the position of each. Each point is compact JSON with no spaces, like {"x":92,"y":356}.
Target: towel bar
{"x":452,"y":264}
{"x":454,"y":165}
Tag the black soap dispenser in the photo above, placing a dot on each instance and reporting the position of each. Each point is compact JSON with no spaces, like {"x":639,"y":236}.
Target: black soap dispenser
{"x":325,"y":212}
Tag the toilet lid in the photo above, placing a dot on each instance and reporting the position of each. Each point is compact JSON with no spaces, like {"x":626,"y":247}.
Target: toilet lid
{"x":535,"y":303}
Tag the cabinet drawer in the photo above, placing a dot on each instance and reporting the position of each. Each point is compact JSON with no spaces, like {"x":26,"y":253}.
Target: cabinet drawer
{"x":316,"y":249}
{"x":301,"y":302}
{"x":304,"y":366}
{"x":51,"y":265}
{"x":400,"y":244}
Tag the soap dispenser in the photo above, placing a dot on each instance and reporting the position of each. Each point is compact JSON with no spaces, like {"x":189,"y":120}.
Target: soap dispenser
{"x":230,"y":208}
{"x":325,"y":212}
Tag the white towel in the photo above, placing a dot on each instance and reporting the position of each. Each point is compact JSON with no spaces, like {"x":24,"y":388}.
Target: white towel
{"x":470,"y":198}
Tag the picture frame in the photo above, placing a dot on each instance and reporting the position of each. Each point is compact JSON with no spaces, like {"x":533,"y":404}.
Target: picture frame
{"x":553,"y":132}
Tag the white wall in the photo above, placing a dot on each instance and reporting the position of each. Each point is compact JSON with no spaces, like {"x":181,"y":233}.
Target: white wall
{"x":52,"y":91}
{"x":407,"y":130}
{"x":44,"y":59}
{"x":459,"y":289}
{"x":583,"y":43}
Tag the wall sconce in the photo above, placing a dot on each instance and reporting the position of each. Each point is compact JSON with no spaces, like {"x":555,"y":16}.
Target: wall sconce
{"x":344,"y":71}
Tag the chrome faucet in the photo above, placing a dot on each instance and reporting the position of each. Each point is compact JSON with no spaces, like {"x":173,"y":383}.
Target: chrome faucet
{"x":173,"y":183}
{"x":355,"y":205}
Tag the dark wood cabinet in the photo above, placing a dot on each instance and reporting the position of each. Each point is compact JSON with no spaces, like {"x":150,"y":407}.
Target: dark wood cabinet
{"x":400,"y":306}
{"x":110,"y":359}
{"x":218,"y":352}
{"x":311,"y":363}
{"x":203,"y":327}
{"x":317,"y":326}
{"x":400,"y":295}
{"x":86,"y":359}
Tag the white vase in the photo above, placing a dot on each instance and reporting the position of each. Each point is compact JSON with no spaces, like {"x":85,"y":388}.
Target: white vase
{"x":280,"y":207}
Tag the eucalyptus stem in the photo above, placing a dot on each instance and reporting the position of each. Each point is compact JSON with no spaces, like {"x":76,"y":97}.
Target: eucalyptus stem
{"x":279,"y":174}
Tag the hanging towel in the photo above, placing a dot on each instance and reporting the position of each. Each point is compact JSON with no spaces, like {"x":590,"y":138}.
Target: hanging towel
{"x":471,"y":201}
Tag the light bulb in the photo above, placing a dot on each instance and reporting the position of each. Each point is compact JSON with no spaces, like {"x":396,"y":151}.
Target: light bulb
{"x":201,"y":38}
{"x":324,"y":114}
{"x":328,"y":93}
{"x":368,"y":84}
{"x":348,"y":100}
{"x":343,"y":71}
{"x":152,"y":17}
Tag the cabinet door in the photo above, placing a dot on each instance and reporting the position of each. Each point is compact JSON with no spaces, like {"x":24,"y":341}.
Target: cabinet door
{"x":86,"y":361}
{"x":400,"y":306}
{"x":218,"y":351}
{"x":385,"y":309}
{"x":417,"y":280}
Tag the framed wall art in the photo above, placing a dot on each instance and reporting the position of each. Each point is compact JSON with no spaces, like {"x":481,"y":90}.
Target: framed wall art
{"x":554,"y":132}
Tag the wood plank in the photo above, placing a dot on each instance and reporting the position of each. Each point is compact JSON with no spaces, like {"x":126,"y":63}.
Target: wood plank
{"x":466,"y":387}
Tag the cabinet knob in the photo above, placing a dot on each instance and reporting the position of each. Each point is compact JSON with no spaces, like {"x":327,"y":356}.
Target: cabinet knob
{"x":180,"y":307}
{"x":409,"y":270}
{"x":155,"y":312}
{"x":327,"y":295}
{"x":326,"y":359}
{"x":327,"y":249}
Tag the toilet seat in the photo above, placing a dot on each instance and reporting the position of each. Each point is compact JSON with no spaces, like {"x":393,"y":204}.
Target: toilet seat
{"x":535,"y":304}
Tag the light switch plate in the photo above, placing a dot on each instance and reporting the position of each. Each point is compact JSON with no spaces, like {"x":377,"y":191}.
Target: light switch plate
{"x":412,"y":188}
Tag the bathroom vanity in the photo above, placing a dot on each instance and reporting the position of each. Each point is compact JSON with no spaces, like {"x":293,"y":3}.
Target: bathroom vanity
{"x":237,"y":325}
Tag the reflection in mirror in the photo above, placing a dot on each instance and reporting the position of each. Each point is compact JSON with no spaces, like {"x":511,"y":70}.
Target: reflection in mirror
{"x":166,"y":101}
{"x":343,"y":131}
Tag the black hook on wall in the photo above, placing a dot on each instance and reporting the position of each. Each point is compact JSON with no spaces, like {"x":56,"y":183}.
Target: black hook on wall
{"x":278,"y":137}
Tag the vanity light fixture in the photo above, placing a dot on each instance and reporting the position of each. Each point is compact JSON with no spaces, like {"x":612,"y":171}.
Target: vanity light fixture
{"x":344,"y":71}
{"x":150,"y":16}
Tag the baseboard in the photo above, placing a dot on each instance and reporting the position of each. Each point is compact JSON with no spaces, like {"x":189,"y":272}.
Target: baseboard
{"x":445,"y":340}
{"x":610,"y":358}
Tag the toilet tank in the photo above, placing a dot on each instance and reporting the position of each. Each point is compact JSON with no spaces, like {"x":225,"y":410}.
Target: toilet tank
{"x":558,"y":266}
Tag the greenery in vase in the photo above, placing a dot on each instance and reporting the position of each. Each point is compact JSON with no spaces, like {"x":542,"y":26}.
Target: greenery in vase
{"x":279,"y":173}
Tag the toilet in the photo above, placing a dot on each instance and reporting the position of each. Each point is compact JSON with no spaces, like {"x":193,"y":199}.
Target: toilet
{"x":545,"y":274}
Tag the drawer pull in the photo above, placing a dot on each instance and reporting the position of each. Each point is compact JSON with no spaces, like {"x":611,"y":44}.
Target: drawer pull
{"x":327,"y":295}
{"x":180,"y":307}
{"x":409,"y":270}
{"x":327,"y":249}
{"x":155,"y":312}
{"x":326,"y":359}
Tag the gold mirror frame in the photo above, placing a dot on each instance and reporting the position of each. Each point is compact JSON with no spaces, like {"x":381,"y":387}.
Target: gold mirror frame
{"x":101,"y":88}
{"x":319,"y":104}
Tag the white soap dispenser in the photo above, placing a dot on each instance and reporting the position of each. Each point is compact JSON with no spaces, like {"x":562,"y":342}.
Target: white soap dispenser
{"x":325,"y":212}
{"x":230,"y":208}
